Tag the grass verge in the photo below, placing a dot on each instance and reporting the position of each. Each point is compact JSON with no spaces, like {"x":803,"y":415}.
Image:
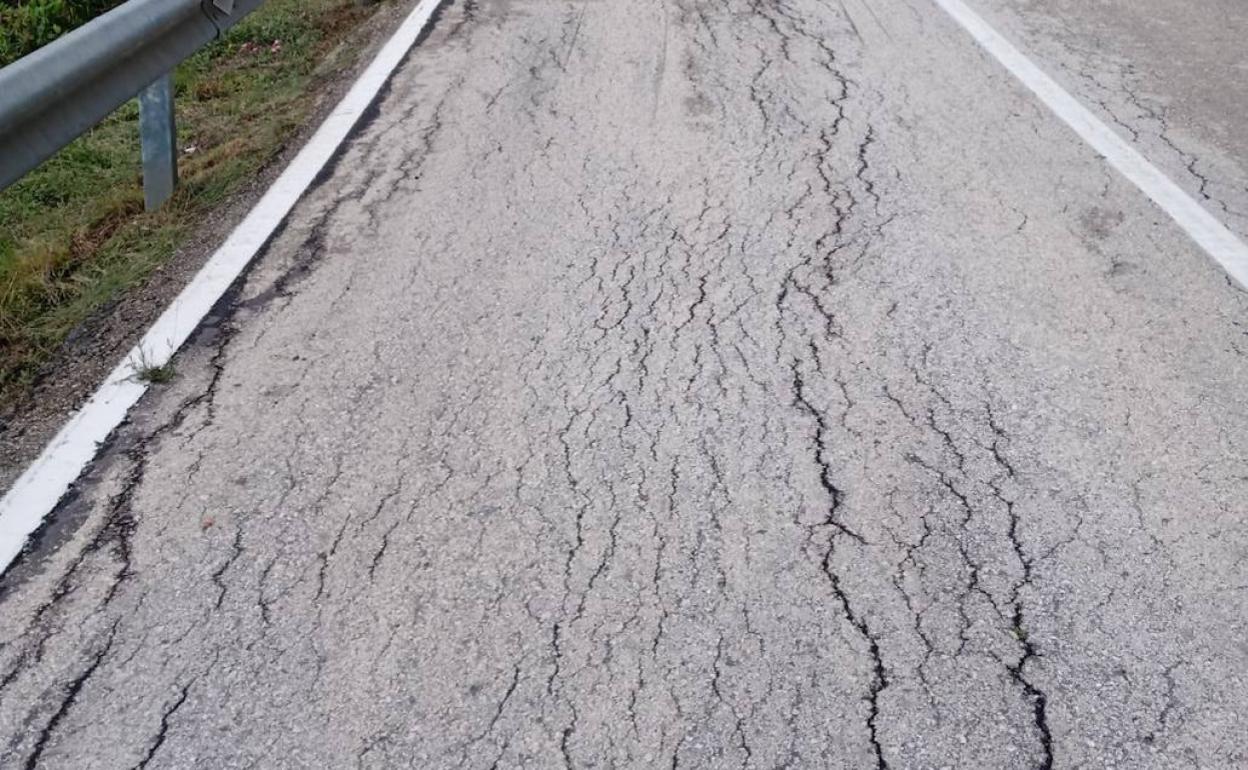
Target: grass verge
{"x":28,"y":24}
{"x":73,"y":233}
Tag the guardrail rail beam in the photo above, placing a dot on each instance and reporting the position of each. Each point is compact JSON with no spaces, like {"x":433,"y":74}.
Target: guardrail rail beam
{"x":55,"y":94}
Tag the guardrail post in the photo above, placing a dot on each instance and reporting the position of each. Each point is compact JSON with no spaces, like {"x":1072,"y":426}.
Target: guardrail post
{"x":158,"y":133}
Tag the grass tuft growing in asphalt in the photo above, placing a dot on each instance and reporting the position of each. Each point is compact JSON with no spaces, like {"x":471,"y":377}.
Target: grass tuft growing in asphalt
{"x":156,"y":375}
{"x":73,"y":233}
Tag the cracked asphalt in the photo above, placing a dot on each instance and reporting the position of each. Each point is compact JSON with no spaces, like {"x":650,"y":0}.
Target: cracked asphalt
{"x":673,"y":384}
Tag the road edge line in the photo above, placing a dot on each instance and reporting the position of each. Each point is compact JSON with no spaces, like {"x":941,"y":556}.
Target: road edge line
{"x":43,"y":484}
{"x":1204,"y":228}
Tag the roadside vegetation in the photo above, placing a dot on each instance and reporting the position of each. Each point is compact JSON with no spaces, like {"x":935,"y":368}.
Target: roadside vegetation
{"x":73,"y":233}
{"x":28,"y":24}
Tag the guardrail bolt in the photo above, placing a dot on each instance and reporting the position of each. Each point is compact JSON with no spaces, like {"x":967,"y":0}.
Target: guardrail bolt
{"x":158,"y":133}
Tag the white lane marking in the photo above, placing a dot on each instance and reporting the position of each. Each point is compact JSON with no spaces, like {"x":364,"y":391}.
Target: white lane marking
{"x":38,"y":490}
{"x":1210,"y":234}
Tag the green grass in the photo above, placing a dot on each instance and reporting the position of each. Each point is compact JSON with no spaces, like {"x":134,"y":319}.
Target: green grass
{"x":28,"y":24}
{"x":73,"y":234}
{"x":155,"y":375}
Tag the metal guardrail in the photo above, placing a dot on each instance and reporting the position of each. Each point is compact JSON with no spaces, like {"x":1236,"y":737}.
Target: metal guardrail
{"x":54,"y":95}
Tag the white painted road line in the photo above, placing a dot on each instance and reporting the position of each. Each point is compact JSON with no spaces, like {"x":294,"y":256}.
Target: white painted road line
{"x":38,"y":490}
{"x":1210,"y":234}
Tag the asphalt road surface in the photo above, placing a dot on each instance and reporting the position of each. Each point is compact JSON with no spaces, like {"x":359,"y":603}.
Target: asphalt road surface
{"x":669,"y":383}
